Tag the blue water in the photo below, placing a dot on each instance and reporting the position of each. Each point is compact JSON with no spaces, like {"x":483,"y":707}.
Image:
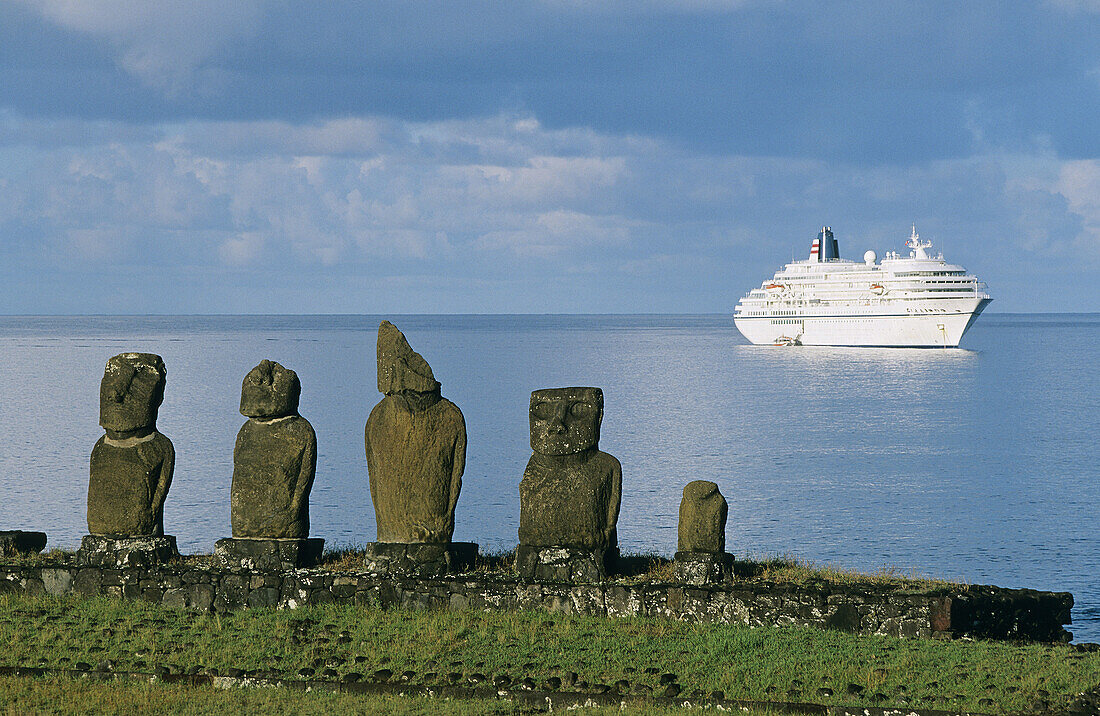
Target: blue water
{"x":976,"y":463}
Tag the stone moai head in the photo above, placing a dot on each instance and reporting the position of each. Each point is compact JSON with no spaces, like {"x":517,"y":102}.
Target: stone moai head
{"x":270,"y":391}
{"x":565,"y":421}
{"x":400,"y":368}
{"x":131,"y":392}
{"x":702,"y":518}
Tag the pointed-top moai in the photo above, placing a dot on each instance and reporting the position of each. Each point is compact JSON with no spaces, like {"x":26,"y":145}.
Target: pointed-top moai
{"x":701,"y":556}
{"x":131,"y":467}
{"x":401,"y":370}
{"x":570,"y":492}
{"x":416,"y":453}
{"x":274,"y":462}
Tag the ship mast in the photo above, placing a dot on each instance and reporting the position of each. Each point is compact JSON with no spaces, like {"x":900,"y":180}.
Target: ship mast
{"x":917,"y":245}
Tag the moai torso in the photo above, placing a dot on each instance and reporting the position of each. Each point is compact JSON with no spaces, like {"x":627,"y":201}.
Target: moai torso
{"x":274,"y":459}
{"x":416,"y":448}
{"x":131,"y":466}
{"x":415,"y":460}
{"x":570,"y":491}
{"x":129,"y":481}
{"x":702,"y":525}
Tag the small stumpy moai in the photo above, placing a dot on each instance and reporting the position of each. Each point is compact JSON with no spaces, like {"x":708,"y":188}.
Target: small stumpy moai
{"x":274,"y":459}
{"x":131,"y":466}
{"x":701,"y":556}
{"x":415,"y":443}
{"x":570,"y":492}
{"x":274,"y":463}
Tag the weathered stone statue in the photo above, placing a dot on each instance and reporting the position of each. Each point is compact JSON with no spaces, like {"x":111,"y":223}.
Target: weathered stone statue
{"x":274,"y":459}
{"x":702,"y":518}
{"x":701,"y":548}
{"x":131,"y":466}
{"x":570,"y":492}
{"x":274,"y":462}
{"x":416,"y":453}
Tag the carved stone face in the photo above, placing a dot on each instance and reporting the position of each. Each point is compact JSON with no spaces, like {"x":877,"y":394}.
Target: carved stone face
{"x":131,"y":392}
{"x":400,"y":368}
{"x":565,"y":421}
{"x":270,"y":391}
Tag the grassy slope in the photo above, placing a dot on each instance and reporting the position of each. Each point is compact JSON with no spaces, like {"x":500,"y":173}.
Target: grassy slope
{"x":760,"y":664}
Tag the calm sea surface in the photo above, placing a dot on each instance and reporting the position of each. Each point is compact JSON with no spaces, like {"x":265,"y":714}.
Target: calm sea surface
{"x":978,"y":463}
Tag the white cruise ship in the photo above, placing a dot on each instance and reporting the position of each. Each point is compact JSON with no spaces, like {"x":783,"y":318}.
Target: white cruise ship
{"x":918,"y":300}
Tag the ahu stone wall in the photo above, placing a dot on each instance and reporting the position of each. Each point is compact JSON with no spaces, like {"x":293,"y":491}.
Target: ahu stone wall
{"x":945,"y":612}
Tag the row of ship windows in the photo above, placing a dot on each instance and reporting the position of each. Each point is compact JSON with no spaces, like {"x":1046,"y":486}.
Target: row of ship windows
{"x":799,"y":321}
{"x":849,"y":300}
{"x":795,"y":313}
{"x":887,"y":283}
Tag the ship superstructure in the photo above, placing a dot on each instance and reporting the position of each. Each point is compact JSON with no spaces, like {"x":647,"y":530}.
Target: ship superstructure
{"x":918,"y":300}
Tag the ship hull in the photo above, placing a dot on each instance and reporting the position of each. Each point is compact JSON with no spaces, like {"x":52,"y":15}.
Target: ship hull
{"x":943,"y":326}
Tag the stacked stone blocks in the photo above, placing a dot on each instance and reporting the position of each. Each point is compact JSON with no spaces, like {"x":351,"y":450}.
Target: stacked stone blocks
{"x":956,"y":611}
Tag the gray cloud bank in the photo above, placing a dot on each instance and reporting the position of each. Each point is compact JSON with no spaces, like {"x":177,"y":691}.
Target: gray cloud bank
{"x":419,"y":157}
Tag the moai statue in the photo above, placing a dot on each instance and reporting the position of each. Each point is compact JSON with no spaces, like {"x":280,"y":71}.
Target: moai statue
{"x":416,"y":453}
{"x":701,"y":556}
{"x":131,"y":467}
{"x":570,"y":492}
{"x":274,"y":462}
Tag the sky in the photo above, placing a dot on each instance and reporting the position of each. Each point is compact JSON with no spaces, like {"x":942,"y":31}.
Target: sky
{"x":548,"y":156}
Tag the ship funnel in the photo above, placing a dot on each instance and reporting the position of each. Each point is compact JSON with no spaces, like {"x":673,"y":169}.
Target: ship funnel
{"x":829,"y":248}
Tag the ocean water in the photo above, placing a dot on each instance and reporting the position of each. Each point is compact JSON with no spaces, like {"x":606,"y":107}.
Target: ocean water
{"x":977,"y":463}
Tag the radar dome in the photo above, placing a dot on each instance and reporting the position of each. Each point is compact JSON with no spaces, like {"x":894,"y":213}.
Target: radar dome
{"x":870,"y":257}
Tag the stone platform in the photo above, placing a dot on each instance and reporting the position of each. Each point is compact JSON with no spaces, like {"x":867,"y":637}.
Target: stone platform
{"x":419,"y":560}
{"x":900,"y":610}
{"x":699,"y":568}
{"x":267,"y":554}
{"x":16,"y":542}
{"x":121,"y":552}
{"x":564,"y":564}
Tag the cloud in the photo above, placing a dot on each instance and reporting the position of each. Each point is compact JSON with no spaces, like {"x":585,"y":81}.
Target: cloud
{"x":1079,"y":182}
{"x":555,"y":232}
{"x":544,"y":180}
{"x":864,"y":82}
{"x":165,"y":44}
{"x":342,"y":136}
{"x":493,"y":206}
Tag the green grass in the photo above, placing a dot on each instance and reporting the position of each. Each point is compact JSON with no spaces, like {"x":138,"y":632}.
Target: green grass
{"x":61,"y":695}
{"x":791,"y":664}
{"x":64,"y":695}
{"x":789,"y":569}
